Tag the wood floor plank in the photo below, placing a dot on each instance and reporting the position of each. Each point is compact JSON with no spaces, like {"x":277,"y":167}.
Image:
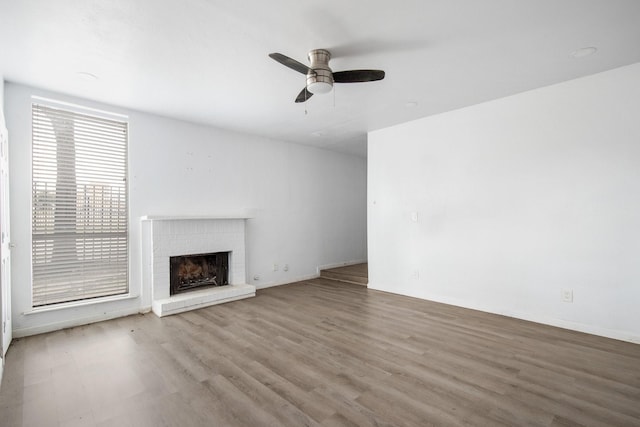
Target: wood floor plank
{"x":321,"y":353}
{"x":355,"y":274}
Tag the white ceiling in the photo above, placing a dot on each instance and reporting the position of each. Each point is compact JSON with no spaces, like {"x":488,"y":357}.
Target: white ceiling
{"x":206,"y":60}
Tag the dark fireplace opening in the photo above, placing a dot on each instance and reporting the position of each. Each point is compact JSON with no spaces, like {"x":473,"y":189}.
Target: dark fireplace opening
{"x":190,"y":272}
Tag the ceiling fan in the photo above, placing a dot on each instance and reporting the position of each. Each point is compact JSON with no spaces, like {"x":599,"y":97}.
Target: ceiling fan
{"x":320,"y":77}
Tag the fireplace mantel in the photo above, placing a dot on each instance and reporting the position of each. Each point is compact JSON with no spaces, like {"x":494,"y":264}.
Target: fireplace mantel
{"x":167,"y":236}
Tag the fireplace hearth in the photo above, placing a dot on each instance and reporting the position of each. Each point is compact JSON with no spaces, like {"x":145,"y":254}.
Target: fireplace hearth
{"x":191,"y":272}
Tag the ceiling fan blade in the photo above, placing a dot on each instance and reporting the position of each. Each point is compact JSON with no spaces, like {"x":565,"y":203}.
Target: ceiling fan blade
{"x":357,"y":76}
{"x":291,"y":63}
{"x":303,"y":95}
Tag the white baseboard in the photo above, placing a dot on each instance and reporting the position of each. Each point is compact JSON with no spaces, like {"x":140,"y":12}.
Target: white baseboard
{"x":50,"y":327}
{"x":286,"y":282}
{"x":550,"y":321}
{"x":310,"y":276}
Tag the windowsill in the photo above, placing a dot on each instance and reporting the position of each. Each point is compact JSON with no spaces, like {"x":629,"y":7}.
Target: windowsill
{"x":76,"y":304}
{"x":201,"y":217}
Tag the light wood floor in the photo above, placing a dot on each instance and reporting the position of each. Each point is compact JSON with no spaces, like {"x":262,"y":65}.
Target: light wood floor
{"x":357,"y":274}
{"x":321,"y":353}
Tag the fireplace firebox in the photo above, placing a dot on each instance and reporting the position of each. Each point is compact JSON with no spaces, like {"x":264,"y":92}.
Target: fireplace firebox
{"x":191,"y":272}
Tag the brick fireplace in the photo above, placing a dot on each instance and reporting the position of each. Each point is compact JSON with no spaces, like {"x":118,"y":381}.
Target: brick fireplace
{"x":164,"y":238}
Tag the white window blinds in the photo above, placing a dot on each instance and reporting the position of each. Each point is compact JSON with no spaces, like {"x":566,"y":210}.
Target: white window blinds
{"x":79,"y":213}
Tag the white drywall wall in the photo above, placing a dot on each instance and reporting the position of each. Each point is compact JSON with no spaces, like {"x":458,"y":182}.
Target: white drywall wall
{"x":4,"y":350}
{"x":308,"y":205}
{"x":517,"y":200}
{"x":2,"y":119}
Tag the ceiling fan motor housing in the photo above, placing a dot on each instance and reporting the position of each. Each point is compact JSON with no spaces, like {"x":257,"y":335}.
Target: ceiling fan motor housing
{"x":320,"y":79}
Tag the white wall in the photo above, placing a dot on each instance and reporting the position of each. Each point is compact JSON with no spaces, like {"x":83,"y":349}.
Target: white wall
{"x":1,"y":283}
{"x":309,"y":205}
{"x":2,"y":123}
{"x":517,"y":199}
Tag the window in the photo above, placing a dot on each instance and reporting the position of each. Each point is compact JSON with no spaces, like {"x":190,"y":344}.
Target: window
{"x":79,"y":206}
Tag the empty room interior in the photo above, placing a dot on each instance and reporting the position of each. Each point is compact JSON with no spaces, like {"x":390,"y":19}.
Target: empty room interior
{"x":338,"y":213}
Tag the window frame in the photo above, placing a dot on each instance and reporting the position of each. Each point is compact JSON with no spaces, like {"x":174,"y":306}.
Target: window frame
{"x":78,"y":112}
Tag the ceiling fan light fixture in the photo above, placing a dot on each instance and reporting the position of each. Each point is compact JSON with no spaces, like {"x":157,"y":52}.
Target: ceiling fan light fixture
{"x":319,"y":87}
{"x":320,"y":78}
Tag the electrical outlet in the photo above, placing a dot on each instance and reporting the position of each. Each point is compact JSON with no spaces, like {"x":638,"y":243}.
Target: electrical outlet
{"x":286,"y":267}
{"x":567,"y":295}
{"x":415,"y":275}
{"x":256,"y":277}
{"x":275,"y":267}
